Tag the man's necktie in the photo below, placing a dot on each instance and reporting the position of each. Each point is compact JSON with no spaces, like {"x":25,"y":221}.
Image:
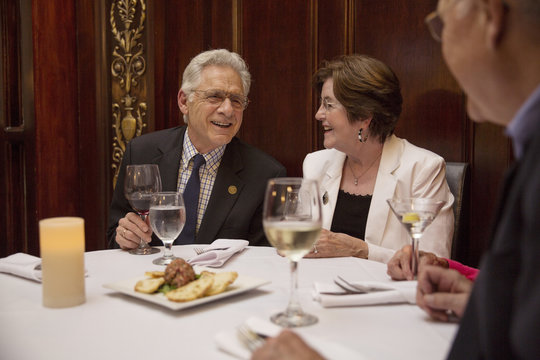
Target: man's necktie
{"x":191,"y":200}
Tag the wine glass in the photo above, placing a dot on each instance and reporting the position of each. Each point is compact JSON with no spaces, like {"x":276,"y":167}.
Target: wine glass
{"x":416,"y":214}
{"x":167,"y":219}
{"x":140,"y":183}
{"x":292,"y":223}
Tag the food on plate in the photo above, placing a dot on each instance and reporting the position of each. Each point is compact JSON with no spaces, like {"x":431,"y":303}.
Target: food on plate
{"x":179,"y":283}
{"x":155,"y":274}
{"x":221,"y":281}
{"x":149,"y":286}
{"x":178,"y":273}
{"x":194,"y":290}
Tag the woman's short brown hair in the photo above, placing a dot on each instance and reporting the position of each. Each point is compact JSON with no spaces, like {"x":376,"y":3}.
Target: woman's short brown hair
{"x":365,"y":87}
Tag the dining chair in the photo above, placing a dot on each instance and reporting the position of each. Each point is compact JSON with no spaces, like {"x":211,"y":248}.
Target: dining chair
{"x":457,"y":177}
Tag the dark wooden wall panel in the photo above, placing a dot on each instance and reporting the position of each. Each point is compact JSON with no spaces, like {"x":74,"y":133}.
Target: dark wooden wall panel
{"x":433,"y":115}
{"x":331,"y":29}
{"x":180,"y":29}
{"x":220,"y":33}
{"x":11,"y":147}
{"x":93,"y":178}
{"x":56,"y":109}
{"x":332,"y":40}
{"x":279,"y":54}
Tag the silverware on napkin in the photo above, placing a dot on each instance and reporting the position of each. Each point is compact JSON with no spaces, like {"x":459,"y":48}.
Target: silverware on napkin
{"x":250,"y":338}
{"x":355,"y":287}
{"x":199,"y":250}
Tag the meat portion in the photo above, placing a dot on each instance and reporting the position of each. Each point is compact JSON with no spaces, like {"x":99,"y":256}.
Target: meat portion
{"x":179,"y":273}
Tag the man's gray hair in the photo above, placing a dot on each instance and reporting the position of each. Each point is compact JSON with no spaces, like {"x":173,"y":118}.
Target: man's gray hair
{"x":221,"y":57}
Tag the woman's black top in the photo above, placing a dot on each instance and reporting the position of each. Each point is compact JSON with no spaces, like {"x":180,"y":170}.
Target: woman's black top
{"x":350,"y":214}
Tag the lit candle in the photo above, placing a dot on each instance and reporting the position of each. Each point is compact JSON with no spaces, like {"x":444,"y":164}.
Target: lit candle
{"x":62,"y":261}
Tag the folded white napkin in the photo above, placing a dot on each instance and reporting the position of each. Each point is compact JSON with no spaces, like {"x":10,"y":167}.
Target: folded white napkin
{"x":21,"y":264}
{"x":400,"y":292}
{"x":216,"y":258}
{"x":227,"y":341}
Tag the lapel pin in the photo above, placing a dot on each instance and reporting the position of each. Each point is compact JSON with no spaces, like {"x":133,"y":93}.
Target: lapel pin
{"x":325,"y":198}
{"x":232,"y":189}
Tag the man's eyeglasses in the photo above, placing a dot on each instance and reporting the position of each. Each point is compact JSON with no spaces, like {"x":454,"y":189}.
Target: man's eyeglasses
{"x":435,"y":25}
{"x":217,"y":97}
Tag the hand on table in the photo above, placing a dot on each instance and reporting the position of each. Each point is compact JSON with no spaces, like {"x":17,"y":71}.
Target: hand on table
{"x":442,"y":292}
{"x":131,"y":229}
{"x":287,"y":345}
{"x":331,"y":244}
{"x":399,"y":266}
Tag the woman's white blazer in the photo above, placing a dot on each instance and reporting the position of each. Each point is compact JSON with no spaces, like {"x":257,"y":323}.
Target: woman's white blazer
{"x":405,"y":170}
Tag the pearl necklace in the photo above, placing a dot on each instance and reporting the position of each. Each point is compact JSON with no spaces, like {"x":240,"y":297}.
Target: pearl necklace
{"x":370,"y":166}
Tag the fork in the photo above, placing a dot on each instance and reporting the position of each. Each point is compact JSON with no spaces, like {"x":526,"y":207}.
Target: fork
{"x":200,"y":250}
{"x":346,"y":285}
{"x":339,"y":293}
{"x":249,"y":338}
{"x":346,"y":290}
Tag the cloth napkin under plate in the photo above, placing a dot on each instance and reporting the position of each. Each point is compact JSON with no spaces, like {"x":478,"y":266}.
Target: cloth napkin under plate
{"x":227,"y":341}
{"x":398,"y":292}
{"x":21,"y":264}
{"x":216,"y":258}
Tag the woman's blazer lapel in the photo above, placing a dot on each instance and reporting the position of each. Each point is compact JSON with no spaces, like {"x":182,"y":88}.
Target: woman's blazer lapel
{"x":385,"y":186}
{"x":329,"y":188}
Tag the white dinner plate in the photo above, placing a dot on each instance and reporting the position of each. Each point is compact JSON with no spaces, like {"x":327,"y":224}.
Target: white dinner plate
{"x":241,"y":285}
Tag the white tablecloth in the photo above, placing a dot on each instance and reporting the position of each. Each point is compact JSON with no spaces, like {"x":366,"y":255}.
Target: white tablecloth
{"x":115,"y":326}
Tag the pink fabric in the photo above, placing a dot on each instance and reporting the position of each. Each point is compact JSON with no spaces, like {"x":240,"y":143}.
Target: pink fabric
{"x":469,"y":272}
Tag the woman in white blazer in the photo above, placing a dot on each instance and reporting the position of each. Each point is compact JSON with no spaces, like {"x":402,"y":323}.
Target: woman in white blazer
{"x":364,"y":164}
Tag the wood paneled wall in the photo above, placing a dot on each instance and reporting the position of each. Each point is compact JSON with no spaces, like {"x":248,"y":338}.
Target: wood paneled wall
{"x":283,"y":43}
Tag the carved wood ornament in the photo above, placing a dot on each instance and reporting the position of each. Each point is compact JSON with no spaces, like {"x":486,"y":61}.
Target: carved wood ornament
{"x":128,"y":68}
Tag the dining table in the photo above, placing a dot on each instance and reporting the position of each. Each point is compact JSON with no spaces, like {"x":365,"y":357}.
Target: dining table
{"x":114,"y":325}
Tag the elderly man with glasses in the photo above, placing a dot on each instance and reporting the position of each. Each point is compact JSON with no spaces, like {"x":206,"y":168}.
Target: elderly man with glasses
{"x":492,"y":47}
{"x":232,"y":175}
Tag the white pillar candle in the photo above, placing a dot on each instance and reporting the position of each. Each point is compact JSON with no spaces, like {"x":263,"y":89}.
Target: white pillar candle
{"x":62,"y":260}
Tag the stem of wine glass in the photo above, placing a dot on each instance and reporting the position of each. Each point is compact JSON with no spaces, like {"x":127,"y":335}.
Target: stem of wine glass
{"x":415,"y":254}
{"x":142,"y":243}
{"x":167,"y":253}
{"x":294,"y":308}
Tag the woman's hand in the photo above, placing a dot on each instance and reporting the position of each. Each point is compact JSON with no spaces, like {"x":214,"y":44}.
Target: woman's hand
{"x":399,"y":267}
{"x":131,"y":229}
{"x":332,"y":244}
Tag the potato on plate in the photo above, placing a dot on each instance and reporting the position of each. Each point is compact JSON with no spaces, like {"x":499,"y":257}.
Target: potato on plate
{"x":149,"y":286}
{"x":191,"y":291}
{"x":221,"y":281}
{"x":155,"y":274}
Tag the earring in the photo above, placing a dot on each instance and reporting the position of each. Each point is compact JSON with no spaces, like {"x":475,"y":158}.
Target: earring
{"x":360,"y":138}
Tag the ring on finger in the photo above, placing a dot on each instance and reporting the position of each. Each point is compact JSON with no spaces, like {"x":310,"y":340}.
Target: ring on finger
{"x":124,"y":233}
{"x":315,"y":249}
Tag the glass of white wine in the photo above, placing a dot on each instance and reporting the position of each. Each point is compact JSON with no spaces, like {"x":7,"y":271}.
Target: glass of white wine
{"x":292,"y":223}
{"x":167,"y":219}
